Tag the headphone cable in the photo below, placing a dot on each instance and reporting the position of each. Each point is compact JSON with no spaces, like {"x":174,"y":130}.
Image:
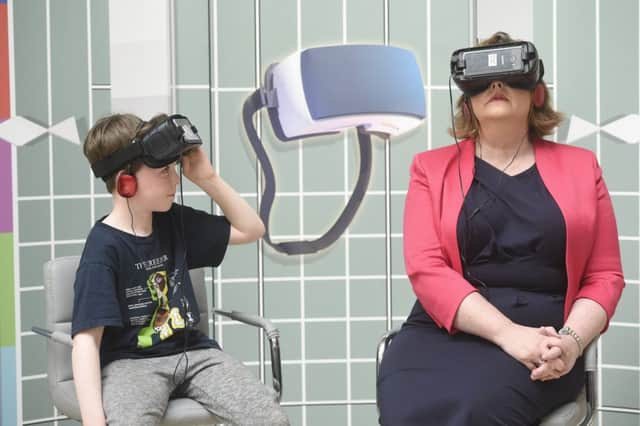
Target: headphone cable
{"x":465,"y":231}
{"x":184,"y":302}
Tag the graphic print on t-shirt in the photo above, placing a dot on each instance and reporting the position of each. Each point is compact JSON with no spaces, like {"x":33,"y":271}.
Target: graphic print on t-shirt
{"x":165,"y":319}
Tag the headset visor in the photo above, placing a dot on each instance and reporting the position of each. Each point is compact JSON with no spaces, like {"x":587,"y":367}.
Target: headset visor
{"x":161,"y":145}
{"x":166,"y":142}
{"x":516,"y":64}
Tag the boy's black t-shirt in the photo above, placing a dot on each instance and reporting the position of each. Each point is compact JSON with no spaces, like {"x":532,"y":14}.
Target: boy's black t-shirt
{"x":139,"y":288}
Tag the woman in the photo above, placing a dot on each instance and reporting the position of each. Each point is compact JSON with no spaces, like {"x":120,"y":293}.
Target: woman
{"x":513,"y":279}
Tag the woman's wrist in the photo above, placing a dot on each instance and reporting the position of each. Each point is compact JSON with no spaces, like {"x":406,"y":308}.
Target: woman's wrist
{"x":571,"y":333}
{"x":502,"y":336}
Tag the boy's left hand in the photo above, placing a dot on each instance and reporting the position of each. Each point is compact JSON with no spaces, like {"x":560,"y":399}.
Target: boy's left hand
{"x":197,"y":167}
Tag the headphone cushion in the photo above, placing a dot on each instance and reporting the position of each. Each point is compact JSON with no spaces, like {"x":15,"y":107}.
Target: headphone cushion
{"x":538,"y":96}
{"x":127,"y":185}
{"x":465,"y":110}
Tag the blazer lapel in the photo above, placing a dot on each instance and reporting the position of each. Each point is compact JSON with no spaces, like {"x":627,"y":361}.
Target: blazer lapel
{"x":452,"y":200}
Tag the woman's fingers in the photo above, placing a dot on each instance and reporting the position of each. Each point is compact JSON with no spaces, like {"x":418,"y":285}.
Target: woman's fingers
{"x":542,"y":371}
{"x":549,"y":363}
{"x":548,"y":370}
{"x":549,"y":331}
{"x":557,"y":365}
{"x":552,"y":353}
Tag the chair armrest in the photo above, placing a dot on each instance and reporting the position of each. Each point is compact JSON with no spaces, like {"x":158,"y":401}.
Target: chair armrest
{"x":591,"y":379}
{"x":56,"y":336}
{"x":272,"y":333}
{"x":254,"y":320}
{"x":383,"y":344}
{"x":591,"y":356}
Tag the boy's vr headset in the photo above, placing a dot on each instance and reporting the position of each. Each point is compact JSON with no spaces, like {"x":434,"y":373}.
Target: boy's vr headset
{"x":516,"y":64}
{"x":161,"y":145}
{"x":377,"y":89}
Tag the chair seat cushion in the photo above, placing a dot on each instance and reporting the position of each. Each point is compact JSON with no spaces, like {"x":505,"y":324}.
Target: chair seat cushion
{"x":64,"y":398}
{"x":185,"y":411}
{"x":181,"y":411}
{"x":572,"y":413}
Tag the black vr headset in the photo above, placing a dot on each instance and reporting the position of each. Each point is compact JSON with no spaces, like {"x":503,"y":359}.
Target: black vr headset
{"x":161,"y":145}
{"x":516,"y":64}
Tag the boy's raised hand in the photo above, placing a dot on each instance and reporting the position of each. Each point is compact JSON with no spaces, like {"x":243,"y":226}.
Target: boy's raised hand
{"x":197,"y":167}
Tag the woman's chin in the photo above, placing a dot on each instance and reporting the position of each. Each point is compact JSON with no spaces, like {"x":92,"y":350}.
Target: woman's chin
{"x":497,"y":114}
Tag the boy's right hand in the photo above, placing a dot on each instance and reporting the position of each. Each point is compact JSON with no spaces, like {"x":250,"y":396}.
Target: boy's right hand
{"x":197,"y":167}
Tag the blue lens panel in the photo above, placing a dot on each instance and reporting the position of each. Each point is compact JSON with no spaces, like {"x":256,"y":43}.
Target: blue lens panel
{"x":361,"y":79}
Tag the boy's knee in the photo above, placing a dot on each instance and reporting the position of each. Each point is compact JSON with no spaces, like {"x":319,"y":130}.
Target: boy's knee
{"x":277,"y":417}
{"x":272,"y":412}
{"x":134,"y":418}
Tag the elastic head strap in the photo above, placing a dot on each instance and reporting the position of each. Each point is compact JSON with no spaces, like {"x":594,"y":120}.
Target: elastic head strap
{"x":252,"y":104}
{"x":138,"y":127}
{"x":118,"y":159}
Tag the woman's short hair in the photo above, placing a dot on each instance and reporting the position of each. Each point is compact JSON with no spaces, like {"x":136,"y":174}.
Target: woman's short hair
{"x":113,"y":132}
{"x":542,"y":120}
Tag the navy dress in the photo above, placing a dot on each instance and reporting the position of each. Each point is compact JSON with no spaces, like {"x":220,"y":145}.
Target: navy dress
{"x":511,"y":235}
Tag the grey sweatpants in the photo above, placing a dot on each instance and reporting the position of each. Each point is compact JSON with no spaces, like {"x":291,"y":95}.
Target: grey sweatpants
{"x":136,"y":391}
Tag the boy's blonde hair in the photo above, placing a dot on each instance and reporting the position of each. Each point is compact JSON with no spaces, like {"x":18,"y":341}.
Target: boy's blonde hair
{"x":115,"y":132}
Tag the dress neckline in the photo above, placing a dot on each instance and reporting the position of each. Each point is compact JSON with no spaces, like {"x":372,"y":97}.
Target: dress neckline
{"x":497,"y":170}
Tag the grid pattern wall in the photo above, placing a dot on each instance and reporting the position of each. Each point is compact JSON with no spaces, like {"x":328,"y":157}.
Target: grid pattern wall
{"x":332,"y":307}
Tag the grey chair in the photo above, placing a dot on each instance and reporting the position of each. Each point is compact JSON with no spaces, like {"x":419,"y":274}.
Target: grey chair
{"x":59,"y":275}
{"x":575,"y":413}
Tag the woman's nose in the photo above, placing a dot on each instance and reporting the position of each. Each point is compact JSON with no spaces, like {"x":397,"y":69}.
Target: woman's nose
{"x":497,"y":84}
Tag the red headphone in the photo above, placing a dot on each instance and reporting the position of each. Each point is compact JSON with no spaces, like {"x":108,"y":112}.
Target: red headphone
{"x":465,"y":109}
{"x":127,"y":184}
{"x":538,"y":95}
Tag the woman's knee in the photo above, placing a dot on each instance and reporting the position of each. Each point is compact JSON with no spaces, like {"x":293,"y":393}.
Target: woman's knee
{"x":496,"y":408}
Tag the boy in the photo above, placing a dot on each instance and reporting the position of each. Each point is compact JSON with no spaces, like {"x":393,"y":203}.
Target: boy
{"x":134,"y":344}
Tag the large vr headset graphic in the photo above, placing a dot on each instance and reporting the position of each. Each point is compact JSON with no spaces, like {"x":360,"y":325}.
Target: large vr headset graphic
{"x":162,"y":145}
{"x":376,"y":89}
{"x":517,"y":64}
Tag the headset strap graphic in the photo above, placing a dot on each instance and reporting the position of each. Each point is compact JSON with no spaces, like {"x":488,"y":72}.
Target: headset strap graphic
{"x":267,"y":98}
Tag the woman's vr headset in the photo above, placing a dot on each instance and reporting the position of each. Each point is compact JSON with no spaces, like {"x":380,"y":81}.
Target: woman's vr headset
{"x":516,"y":64}
{"x":161,"y":145}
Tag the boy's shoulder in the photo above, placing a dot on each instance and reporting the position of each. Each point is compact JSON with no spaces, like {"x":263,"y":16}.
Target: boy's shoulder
{"x":102,"y":245}
{"x":102,"y":233}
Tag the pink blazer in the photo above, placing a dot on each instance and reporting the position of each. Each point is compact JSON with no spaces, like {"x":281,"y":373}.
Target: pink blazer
{"x":574,"y":179}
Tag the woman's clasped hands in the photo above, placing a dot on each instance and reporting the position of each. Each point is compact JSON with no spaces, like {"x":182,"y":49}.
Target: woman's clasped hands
{"x":542,"y":350}
{"x":558,"y":358}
